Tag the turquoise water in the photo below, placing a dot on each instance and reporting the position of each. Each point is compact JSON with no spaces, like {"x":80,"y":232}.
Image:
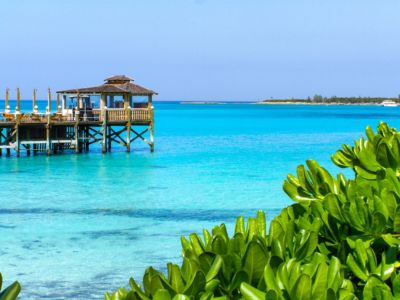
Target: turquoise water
{"x":75,"y":226}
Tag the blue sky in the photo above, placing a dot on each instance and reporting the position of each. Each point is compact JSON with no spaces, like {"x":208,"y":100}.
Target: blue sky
{"x":204,"y":49}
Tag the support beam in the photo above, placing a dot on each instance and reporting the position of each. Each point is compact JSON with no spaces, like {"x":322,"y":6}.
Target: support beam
{"x":109,"y":140}
{"x":128,"y":128}
{"x":76,"y":127}
{"x":17,"y":144}
{"x":104,"y":129}
{"x":8,"y":140}
{"x":151,"y":126}
{"x":1,"y":141}
{"x":86,"y":138}
{"x":48,"y":141}
{"x":151,"y":137}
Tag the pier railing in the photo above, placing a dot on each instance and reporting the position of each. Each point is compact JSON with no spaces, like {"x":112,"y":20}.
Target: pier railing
{"x":93,"y":115}
{"x":135,"y":114}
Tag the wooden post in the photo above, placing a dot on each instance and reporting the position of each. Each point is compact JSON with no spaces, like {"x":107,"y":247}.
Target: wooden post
{"x":152,"y":136}
{"x":77,"y":131}
{"x":18,"y":108}
{"x":48,"y":100}
{"x":87,"y":138}
{"x":7,"y":106}
{"x":17,"y":147}
{"x":128,"y":128}
{"x":1,"y":140}
{"x":8,"y":151}
{"x":64,"y":103}
{"x":48,"y":138}
{"x":58,"y":104}
{"x":104,"y":127}
{"x":34,"y":108}
{"x":126,"y":101}
{"x":151,"y":127}
{"x":109,"y":139}
{"x":17,"y":113}
{"x":103,"y":99}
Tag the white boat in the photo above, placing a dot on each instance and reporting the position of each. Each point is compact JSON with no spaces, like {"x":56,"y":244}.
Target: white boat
{"x":389,"y":103}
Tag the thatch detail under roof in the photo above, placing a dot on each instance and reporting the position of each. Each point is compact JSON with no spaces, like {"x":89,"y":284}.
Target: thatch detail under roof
{"x":120,"y":84}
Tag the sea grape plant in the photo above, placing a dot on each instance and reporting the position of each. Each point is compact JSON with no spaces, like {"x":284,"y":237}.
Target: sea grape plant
{"x":339,"y":240}
{"x":11,"y":292}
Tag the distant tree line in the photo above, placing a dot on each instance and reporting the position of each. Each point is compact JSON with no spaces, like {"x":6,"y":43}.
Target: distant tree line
{"x":334,"y":99}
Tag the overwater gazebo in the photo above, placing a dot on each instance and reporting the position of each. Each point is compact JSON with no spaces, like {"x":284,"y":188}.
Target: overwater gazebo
{"x":118,"y":101}
{"x":117,"y":92}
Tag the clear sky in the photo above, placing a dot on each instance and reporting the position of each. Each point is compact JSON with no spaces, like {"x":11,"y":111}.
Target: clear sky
{"x":204,"y":49}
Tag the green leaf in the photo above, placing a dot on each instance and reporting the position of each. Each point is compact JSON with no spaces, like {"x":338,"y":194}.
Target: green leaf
{"x":355,"y":268}
{"x":396,"y":286}
{"x":320,"y":281}
{"x":261,"y":223}
{"x":240,"y":227}
{"x":302,"y":288}
{"x":215,"y":267}
{"x":180,"y":297}
{"x":11,"y":292}
{"x":195,"y":285}
{"x":175,"y":278}
{"x":251,"y":293}
{"x":162,"y":294}
{"x":376,"y":289}
{"x":197,"y":244}
{"x":212,"y":285}
{"x":396,"y":221}
{"x":254,"y":260}
{"x":238,"y":278}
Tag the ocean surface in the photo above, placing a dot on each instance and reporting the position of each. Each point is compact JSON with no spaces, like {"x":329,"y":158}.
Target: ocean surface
{"x":75,"y":226}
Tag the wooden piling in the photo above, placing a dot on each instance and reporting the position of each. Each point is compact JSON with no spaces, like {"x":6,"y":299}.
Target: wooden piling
{"x":34,"y":107}
{"x":1,"y":141}
{"x":7,"y":105}
{"x":17,"y":141}
{"x":104,"y":129}
{"x":18,"y":108}
{"x":128,"y":128}
{"x":48,"y":139}
{"x":76,"y":127}
{"x":48,"y":100}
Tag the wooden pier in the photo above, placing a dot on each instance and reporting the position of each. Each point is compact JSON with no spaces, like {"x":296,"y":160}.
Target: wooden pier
{"x":117,"y":112}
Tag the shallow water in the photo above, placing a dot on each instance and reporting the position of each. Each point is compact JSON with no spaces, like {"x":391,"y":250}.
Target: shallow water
{"x":75,"y":226}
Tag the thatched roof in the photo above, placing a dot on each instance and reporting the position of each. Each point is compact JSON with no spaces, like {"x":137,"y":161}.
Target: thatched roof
{"x":120,"y":84}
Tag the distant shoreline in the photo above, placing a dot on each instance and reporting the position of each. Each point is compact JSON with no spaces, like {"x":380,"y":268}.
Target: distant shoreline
{"x":315,"y":103}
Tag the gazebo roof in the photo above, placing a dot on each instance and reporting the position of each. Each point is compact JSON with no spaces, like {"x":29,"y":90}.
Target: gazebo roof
{"x":118,"y":78}
{"x":119,"y":84}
